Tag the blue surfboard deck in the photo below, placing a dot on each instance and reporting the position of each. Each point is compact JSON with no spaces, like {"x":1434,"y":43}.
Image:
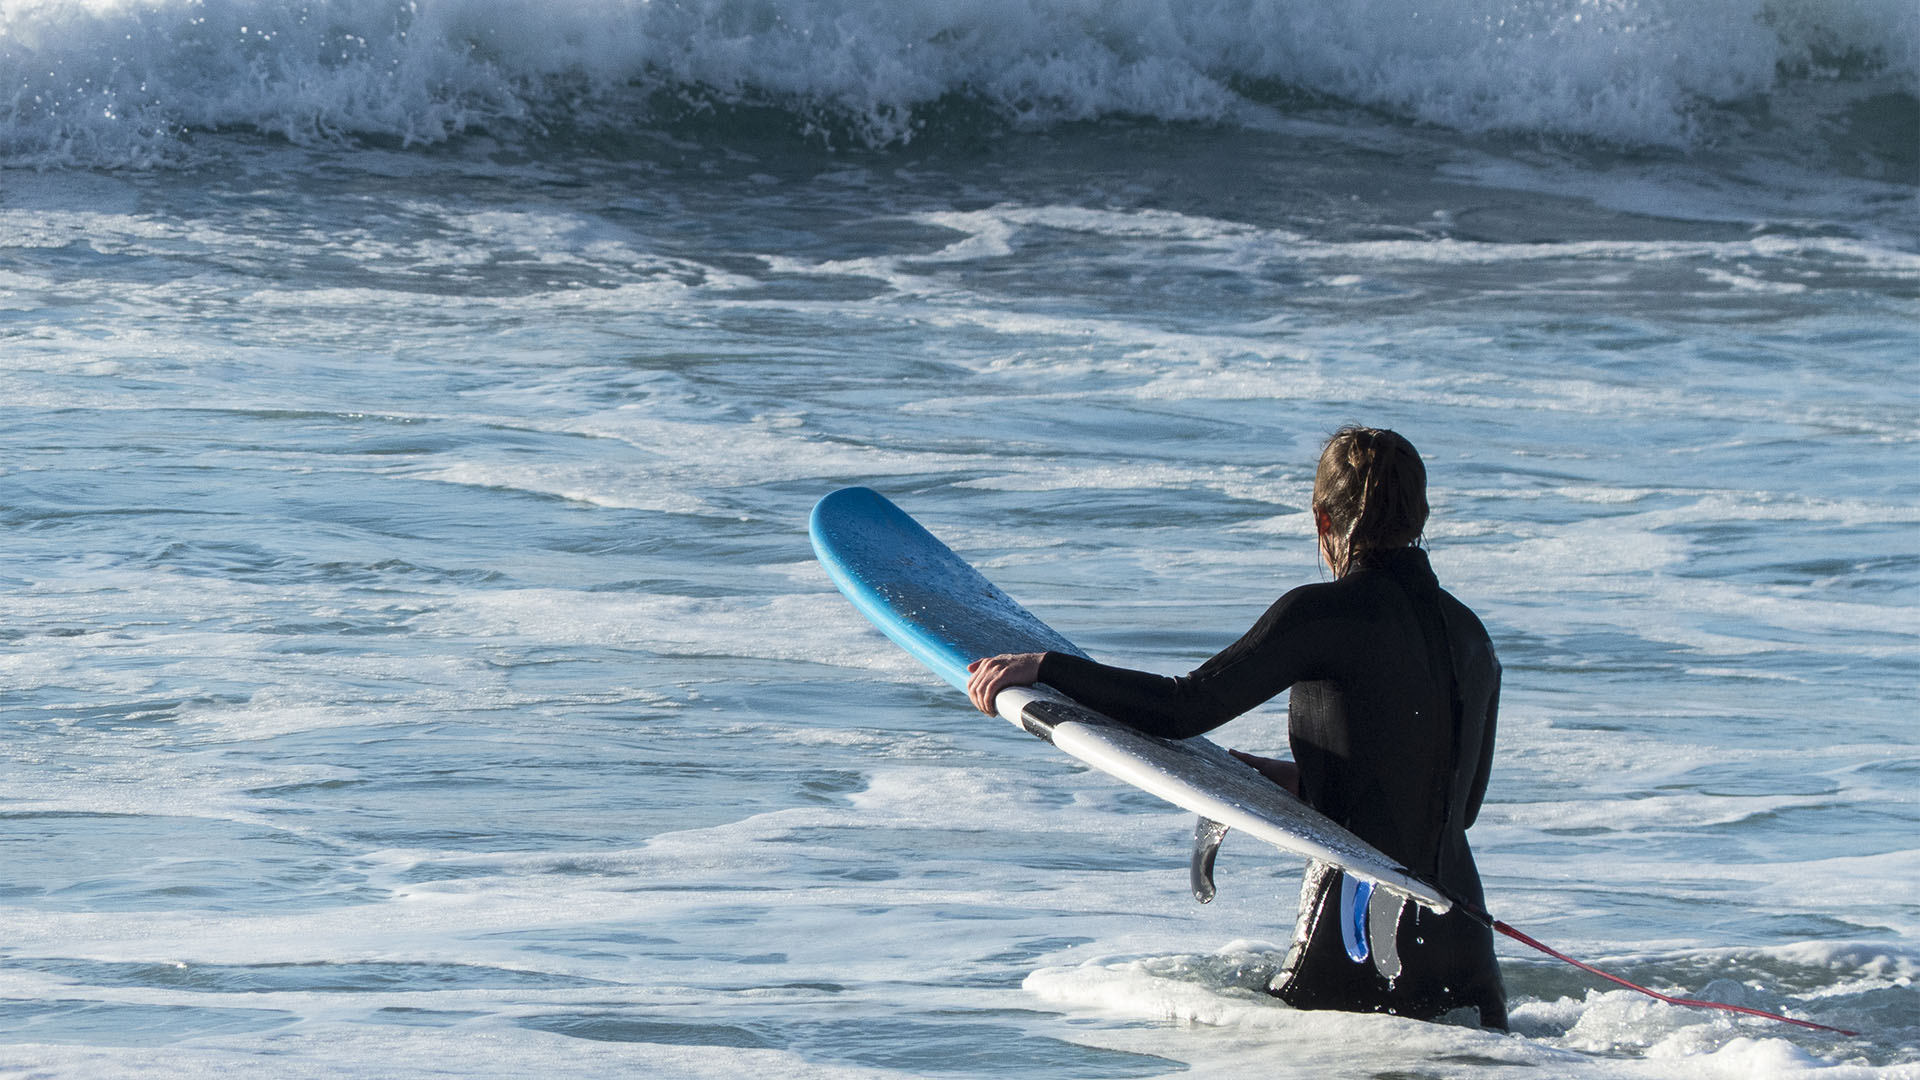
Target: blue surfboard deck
{"x":946,"y":614}
{"x":930,"y":601}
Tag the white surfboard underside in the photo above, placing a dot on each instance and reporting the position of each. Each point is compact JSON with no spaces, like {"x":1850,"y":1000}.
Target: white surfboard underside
{"x":1234,"y":794}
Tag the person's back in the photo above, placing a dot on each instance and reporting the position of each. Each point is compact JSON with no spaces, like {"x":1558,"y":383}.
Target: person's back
{"x":1396,"y":745}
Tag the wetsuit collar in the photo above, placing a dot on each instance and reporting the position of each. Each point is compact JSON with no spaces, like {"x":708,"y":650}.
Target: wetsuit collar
{"x":1408,"y":564}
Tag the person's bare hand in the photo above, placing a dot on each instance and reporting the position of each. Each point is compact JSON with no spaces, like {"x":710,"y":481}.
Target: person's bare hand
{"x":993,"y":674}
{"x":1282,"y":772}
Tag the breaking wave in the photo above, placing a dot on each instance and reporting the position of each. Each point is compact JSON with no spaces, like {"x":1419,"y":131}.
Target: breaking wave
{"x":131,"y":82}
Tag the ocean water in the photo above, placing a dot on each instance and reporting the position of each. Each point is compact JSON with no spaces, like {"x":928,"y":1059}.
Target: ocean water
{"x":414,"y":663}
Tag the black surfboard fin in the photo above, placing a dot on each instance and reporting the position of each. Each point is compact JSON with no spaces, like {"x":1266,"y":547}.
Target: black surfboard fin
{"x":1207,"y":835}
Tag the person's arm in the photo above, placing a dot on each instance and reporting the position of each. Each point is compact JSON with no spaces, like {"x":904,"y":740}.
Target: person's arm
{"x":1483,"y":766}
{"x":1155,"y":704}
{"x":1170,"y":706}
{"x":993,"y":674}
{"x":1286,"y":644}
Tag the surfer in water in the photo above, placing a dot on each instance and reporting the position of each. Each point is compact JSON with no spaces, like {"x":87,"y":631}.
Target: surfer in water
{"x":1394,"y":691}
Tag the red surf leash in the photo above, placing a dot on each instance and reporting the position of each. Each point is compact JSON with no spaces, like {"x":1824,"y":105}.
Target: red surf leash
{"x":1516,"y":935}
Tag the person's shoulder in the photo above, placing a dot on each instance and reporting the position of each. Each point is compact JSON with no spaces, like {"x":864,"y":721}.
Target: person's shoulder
{"x":1458,"y":611}
{"x":1347,"y":596}
{"x":1466,"y":630}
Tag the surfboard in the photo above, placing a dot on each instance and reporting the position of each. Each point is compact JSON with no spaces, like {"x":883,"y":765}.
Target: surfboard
{"x":946,"y":614}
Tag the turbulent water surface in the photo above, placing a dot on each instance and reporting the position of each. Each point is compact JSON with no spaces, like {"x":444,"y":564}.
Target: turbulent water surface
{"x":415,"y":664}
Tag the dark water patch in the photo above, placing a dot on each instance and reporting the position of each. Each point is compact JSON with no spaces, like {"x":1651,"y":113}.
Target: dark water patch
{"x":629,"y":946}
{"x":385,"y":573}
{"x":689,"y":588}
{"x":1739,"y":779}
{"x":817,"y":987}
{"x":322,"y":637}
{"x":1009,"y":968}
{"x":1472,"y":1059}
{"x":1679,"y":839}
{"x":314,"y":977}
{"x":428,"y":872}
{"x":136,"y":862}
{"x":96,"y":1023}
{"x":616,"y":1027}
{"x":830,"y":787}
{"x":1876,"y":138}
{"x":274,"y":791}
{"x":958,"y":119}
{"x":1084,"y":861}
{"x":236,"y":559}
{"x":671,"y":887}
{"x":1844,"y":829}
{"x":739,"y":915}
{"x":1853,"y":558}
{"x":885,"y":854}
{"x":137,"y":714}
{"x":482,"y":837}
{"x":58,"y":512}
{"x":429,"y":1018}
{"x":573,"y":953}
{"x":773,"y":288}
{"x":988,"y":912}
{"x":1888,"y":1015}
{"x":1813,"y":926}
{"x":584,"y":868}
{"x":1027,"y":950}
{"x":1863,"y":573}
{"x":957,"y":1043}
{"x":966,"y":1043}
{"x":592,"y":935}
{"x":859,"y":873}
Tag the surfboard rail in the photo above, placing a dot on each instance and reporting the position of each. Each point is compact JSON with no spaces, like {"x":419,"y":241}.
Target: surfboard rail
{"x":1198,"y":775}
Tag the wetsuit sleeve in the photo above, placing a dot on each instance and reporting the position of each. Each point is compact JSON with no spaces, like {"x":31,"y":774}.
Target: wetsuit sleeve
{"x":1483,"y":769}
{"x":1285,"y":645}
{"x":1168,"y":706}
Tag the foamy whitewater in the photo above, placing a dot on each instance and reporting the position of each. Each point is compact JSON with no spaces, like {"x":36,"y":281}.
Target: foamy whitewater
{"x":414,"y":663}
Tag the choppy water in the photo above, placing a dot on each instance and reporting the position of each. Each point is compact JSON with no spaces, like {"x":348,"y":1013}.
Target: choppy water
{"x":415,"y":664}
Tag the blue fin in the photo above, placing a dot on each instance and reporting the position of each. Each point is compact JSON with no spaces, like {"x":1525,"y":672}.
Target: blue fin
{"x":1354,"y":895}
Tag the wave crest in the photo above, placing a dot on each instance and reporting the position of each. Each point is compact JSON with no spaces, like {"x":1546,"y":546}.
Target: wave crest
{"x":118,"y":82}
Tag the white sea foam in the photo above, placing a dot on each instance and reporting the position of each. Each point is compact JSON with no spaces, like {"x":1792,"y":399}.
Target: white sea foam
{"x":326,"y":1051}
{"x":1606,"y":1034}
{"x":1220,"y":243}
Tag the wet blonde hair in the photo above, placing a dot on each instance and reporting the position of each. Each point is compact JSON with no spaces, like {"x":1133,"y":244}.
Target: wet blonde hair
{"x":1373,"y":487}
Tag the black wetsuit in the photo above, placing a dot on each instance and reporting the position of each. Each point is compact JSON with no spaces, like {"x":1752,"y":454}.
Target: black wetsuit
{"x":1391,"y":720}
